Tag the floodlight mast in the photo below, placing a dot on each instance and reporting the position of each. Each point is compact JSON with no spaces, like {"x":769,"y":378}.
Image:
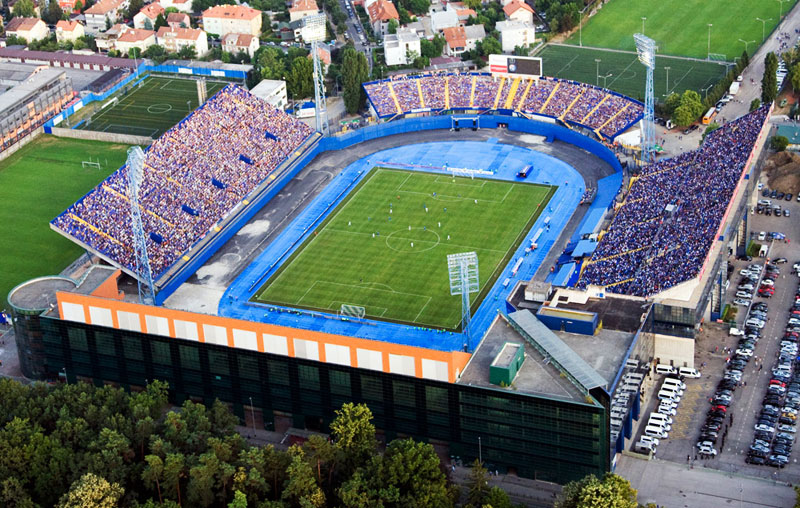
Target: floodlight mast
{"x":144,"y":276}
{"x":646,"y":49}
{"x":464,"y":280}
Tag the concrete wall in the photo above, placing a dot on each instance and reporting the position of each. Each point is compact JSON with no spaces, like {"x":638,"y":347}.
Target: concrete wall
{"x":676,"y":350}
{"x":19,"y":144}
{"x":111,"y":137}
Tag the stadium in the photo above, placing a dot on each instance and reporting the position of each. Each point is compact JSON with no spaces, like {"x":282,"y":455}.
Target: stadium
{"x":476,"y":265}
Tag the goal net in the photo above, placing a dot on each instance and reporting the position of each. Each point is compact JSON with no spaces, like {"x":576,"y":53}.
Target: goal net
{"x":355,"y":311}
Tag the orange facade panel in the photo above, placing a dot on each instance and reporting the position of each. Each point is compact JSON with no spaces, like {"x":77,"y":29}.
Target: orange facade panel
{"x":263,"y":337}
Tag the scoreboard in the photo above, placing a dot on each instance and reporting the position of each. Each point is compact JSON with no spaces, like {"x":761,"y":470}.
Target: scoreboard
{"x":517,"y":66}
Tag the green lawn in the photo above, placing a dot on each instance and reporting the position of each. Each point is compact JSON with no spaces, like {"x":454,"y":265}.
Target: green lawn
{"x":627,"y":74}
{"x":680,"y":27}
{"x":151,"y":108}
{"x":37,"y":183}
{"x":343,"y":263}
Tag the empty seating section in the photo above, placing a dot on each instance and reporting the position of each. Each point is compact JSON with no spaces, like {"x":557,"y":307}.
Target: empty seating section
{"x":662,"y":233}
{"x":592,"y":107}
{"x":194,"y":176}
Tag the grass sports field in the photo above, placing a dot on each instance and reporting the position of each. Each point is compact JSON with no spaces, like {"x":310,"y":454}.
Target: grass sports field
{"x":627,"y":74}
{"x":400,"y":273}
{"x":37,"y":183}
{"x":150,"y":108}
{"x":680,"y":27}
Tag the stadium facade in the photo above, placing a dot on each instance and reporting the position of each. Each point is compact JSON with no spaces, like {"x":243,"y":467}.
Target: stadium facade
{"x":561,"y":418}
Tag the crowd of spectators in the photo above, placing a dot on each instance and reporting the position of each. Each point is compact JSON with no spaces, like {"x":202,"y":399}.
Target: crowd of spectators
{"x":590,"y":106}
{"x":663,"y":231}
{"x":194,"y":176}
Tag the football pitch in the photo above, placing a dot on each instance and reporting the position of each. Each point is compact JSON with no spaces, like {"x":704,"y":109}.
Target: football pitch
{"x":385,"y":246}
{"x":680,"y":27}
{"x":624,"y":74}
{"x":150,"y":108}
{"x":37,"y":183}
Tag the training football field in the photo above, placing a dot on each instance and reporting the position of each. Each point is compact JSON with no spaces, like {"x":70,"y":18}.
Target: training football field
{"x":680,"y":27}
{"x":150,"y":108}
{"x":37,"y":183}
{"x":624,"y":74}
{"x":385,"y":246}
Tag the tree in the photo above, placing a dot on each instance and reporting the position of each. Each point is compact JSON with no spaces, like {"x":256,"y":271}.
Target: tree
{"x":755,"y":104}
{"x":419,"y":7}
{"x":393,"y":24}
{"x":152,"y":474}
{"x":779,"y":143}
{"x":352,"y":430}
{"x":613,"y":491}
{"x":160,"y":21}
{"x":92,"y":491}
{"x":239,"y":500}
{"x":134,"y":6}
{"x":478,"y":484}
{"x":156,"y":52}
{"x":269,"y":63}
{"x":78,"y":6}
{"x":24,"y":9}
{"x":671,"y":103}
{"x":13,"y":495}
{"x":134,"y":53}
{"x":53,"y":13}
{"x":300,"y":78}
{"x":769,"y":82}
{"x":187,"y":52}
{"x":683,"y":116}
{"x":490,"y":46}
{"x":355,"y":71}
{"x":497,"y":498}
{"x":301,"y":488}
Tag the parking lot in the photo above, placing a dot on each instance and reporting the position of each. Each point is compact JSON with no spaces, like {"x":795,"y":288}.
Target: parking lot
{"x":715,"y":347}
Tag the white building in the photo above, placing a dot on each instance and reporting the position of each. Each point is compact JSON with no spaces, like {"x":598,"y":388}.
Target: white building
{"x":226,"y":19}
{"x":302,"y":8}
{"x":175,"y":39}
{"x":30,"y":29}
{"x":104,"y":11}
{"x":520,"y":11}
{"x":68,"y":31}
{"x":135,"y":38}
{"x":443,"y":19}
{"x":272,"y":91}
{"x":310,"y":28}
{"x":398,"y":46}
{"x":515,"y":33}
{"x":147,"y":16}
{"x":236,"y":43}
{"x":381,"y":12}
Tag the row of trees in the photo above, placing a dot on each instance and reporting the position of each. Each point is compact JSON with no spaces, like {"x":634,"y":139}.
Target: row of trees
{"x":82,"y":446}
{"x":294,"y":66}
{"x":561,"y":15}
{"x":769,"y":82}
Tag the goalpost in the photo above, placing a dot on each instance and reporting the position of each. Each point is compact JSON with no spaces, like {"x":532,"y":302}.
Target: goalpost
{"x":91,"y":164}
{"x":356,"y":311}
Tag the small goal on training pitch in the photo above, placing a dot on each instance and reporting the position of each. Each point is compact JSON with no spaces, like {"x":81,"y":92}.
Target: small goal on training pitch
{"x":355,"y":311}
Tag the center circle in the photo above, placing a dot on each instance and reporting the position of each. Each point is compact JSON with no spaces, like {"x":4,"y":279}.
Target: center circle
{"x":423,"y":240}
{"x":159,"y":108}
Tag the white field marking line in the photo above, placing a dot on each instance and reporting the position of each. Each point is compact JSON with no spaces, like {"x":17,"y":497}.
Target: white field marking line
{"x":449,"y":196}
{"x":677,"y":82}
{"x":395,"y":292}
{"x":165,"y":85}
{"x":306,"y":293}
{"x":420,"y":310}
{"x":506,"y":194}
{"x":334,"y":306}
{"x":624,"y":70}
{"x":397,"y":189}
{"x":441,"y":242}
{"x":568,"y":64}
{"x":469,"y":183}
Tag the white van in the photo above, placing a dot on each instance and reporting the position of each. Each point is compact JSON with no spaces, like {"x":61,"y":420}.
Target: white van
{"x":671,"y":381}
{"x":659,"y":417}
{"x":654,"y":431}
{"x":663,"y":368}
{"x":668,"y":387}
{"x":669,"y":394}
{"x":634,"y":377}
{"x":666,"y":427}
{"x":645,"y":447}
{"x":689,"y":372}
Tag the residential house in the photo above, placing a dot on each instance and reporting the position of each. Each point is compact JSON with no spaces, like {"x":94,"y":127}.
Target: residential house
{"x":442,"y":20}
{"x":515,"y":33}
{"x":180,"y":5}
{"x":380,"y":13}
{"x":520,"y":11}
{"x":135,"y":38}
{"x":179,"y":20}
{"x":68,"y":31}
{"x":36,"y":10}
{"x":226,"y":19}
{"x":175,"y":39}
{"x":146,"y":17}
{"x":106,"y":41}
{"x":103,"y":12}
{"x":462,"y":11}
{"x":310,"y":28}
{"x":302,"y":8}
{"x":460,"y":39}
{"x":240,"y":43}
{"x":67,"y":6}
{"x":398,"y":47}
{"x":30,"y":29}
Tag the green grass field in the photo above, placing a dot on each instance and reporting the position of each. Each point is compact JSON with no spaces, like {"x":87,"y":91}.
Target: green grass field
{"x":627,"y":74}
{"x":680,"y":27}
{"x":343,"y":263}
{"x":151,"y":108}
{"x":37,"y":183}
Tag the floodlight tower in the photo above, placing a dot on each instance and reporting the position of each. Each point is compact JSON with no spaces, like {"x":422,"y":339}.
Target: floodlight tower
{"x":319,"y":91}
{"x":144,"y":276}
{"x":463,"y":272}
{"x":646,"y":48}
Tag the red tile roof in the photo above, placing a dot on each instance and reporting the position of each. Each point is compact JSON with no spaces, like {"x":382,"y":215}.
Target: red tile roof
{"x":516,"y":5}
{"x":17,"y":24}
{"x":382,"y":10}
{"x":455,"y":37}
{"x":231,"y":12}
{"x":303,"y":5}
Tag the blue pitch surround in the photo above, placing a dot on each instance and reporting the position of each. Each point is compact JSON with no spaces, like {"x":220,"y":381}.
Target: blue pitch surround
{"x":503,"y":160}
